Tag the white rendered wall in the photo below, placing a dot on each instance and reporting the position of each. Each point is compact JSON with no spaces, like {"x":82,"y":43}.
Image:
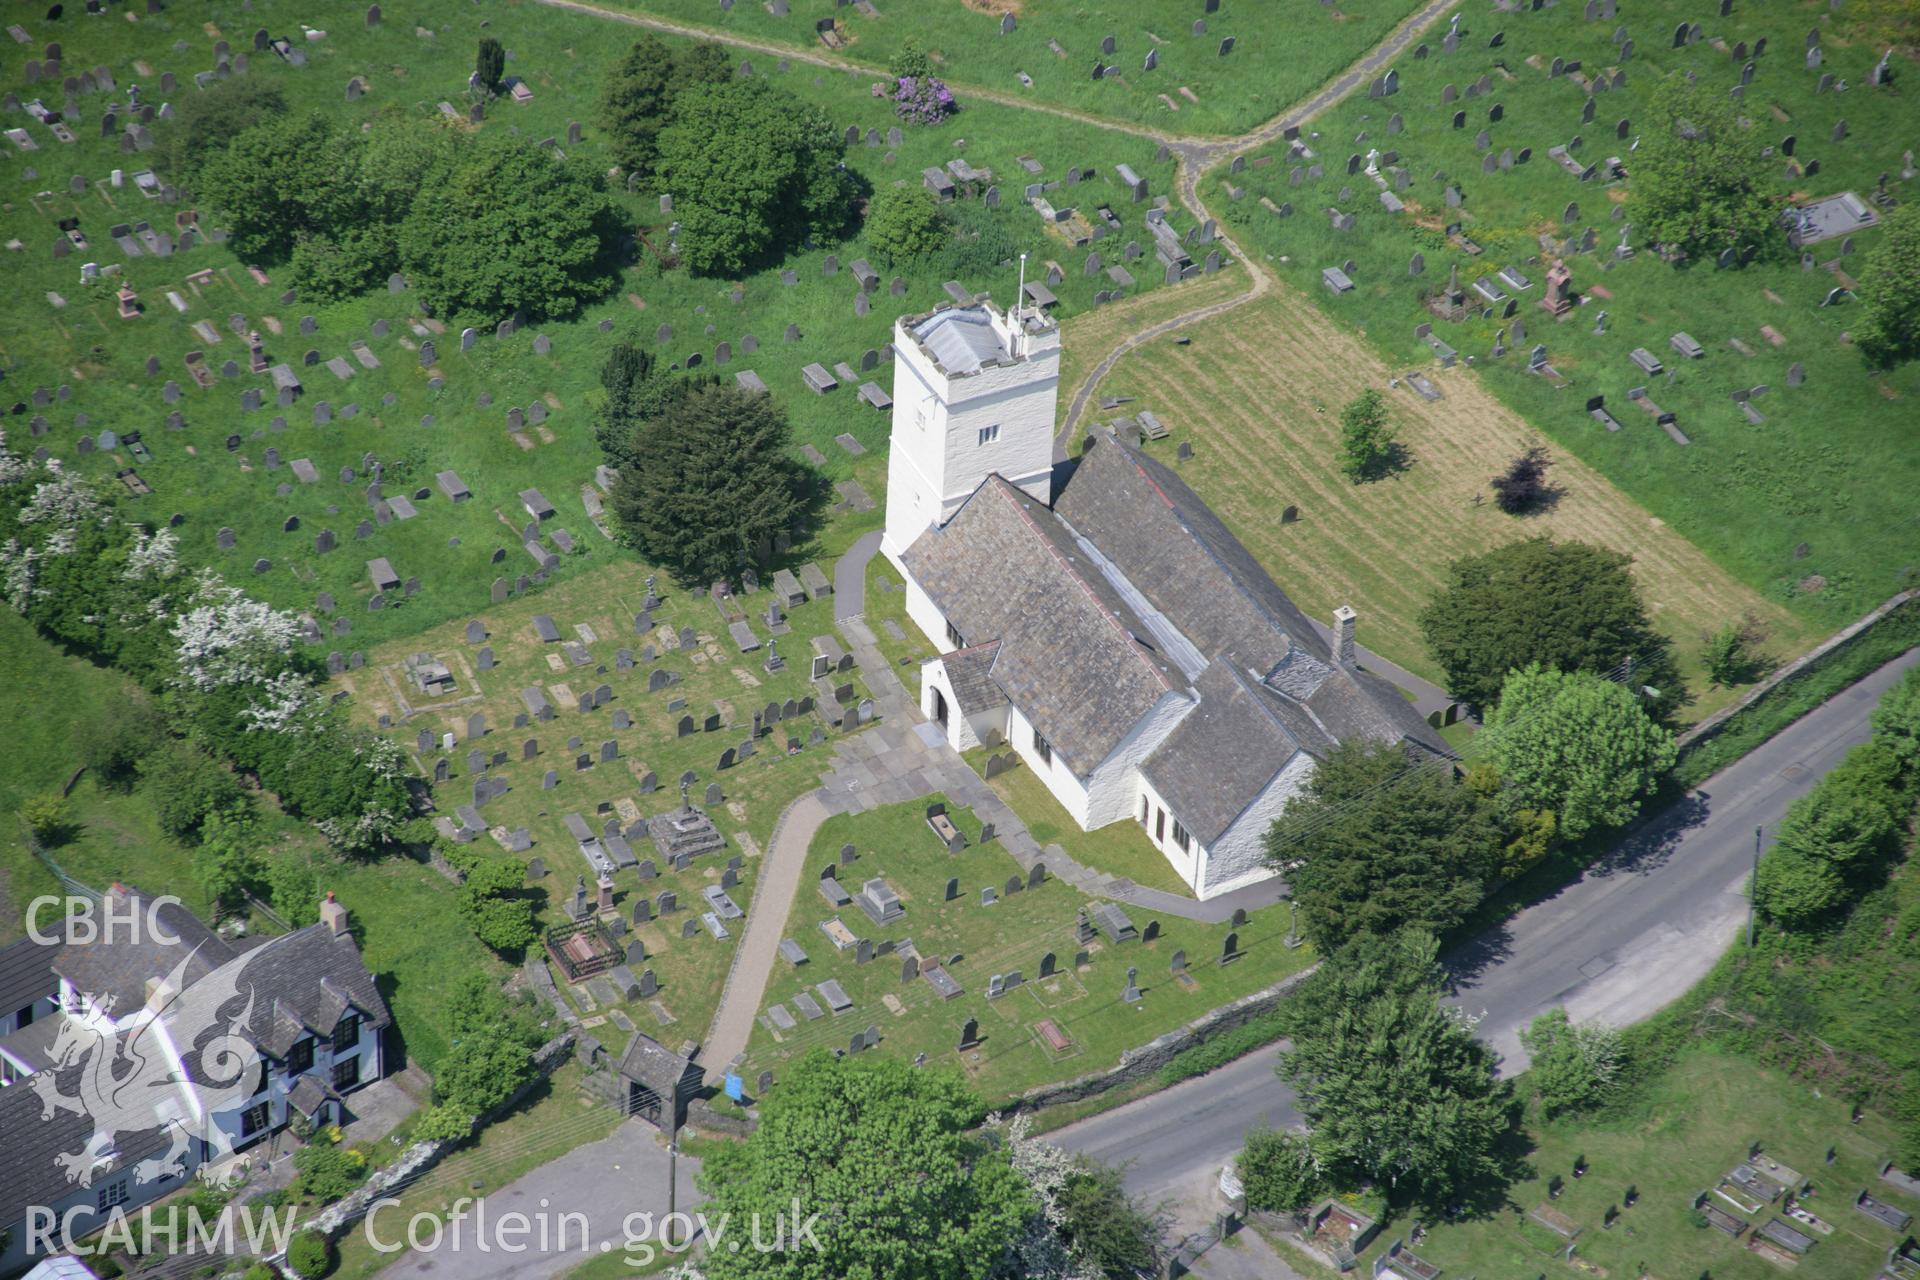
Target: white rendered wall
{"x":961,"y":735}
{"x":927,"y":616}
{"x":1238,"y":857}
{"x":1185,"y":862}
{"x":1114,"y":786}
{"x":1066,"y":788}
{"x":936,"y":460}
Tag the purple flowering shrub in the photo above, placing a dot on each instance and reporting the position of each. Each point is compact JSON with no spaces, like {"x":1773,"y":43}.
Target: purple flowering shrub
{"x":922,"y":100}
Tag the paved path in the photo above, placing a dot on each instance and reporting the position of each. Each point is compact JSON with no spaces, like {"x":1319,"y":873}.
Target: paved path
{"x":1621,"y":942}
{"x":781,"y":870}
{"x":604,"y":1181}
{"x":850,"y":577}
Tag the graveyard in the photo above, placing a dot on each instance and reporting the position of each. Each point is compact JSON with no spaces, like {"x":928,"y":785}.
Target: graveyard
{"x":1432,"y":209}
{"x":1746,"y":1144}
{"x":1257,"y":394}
{"x":568,"y":752}
{"x":1203,"y":67}
{"x":217,"y":402}
{"x":904,"y":942}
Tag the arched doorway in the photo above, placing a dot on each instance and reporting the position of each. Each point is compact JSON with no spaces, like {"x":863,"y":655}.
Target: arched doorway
{"x":940,"y":708}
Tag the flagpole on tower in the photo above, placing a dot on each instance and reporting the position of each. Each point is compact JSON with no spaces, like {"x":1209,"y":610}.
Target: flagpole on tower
{"x":1020,"y":292}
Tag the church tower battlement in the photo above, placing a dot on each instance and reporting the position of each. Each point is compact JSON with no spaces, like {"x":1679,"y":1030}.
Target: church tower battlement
{"x":974,"y":393}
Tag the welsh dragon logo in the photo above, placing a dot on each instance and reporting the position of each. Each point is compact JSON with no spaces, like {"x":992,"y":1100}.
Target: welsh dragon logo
{"x":166,"y":1072}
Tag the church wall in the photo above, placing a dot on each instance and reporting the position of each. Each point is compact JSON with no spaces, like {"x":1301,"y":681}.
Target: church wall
{"x":1066,"y":788}
{"x":926,"y":615}
{"x":1185,"y":862}
{"x":964,"y":732}
{"x":1114,"y":787}
{"x":1238,"y":857}
{"x":935,"y":456}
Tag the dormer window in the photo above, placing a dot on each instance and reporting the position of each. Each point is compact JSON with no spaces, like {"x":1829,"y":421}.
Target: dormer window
{"x":347,"y":1033}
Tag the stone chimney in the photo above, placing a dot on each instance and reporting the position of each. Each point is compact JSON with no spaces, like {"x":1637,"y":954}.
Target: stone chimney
{"x":1344,"y":619}
{"x":333,"y":915}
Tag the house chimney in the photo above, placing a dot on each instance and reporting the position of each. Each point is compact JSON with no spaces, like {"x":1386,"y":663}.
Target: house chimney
{"x":333,"y":915}
{"x":1344,"y":619}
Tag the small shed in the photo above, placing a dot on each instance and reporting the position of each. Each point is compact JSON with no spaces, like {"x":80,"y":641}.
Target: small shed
{"x":659,"y":1083}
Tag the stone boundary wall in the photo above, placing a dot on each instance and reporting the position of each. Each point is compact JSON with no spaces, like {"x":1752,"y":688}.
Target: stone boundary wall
{"x":1813,"y":657}
{"x":1137,"y":1064}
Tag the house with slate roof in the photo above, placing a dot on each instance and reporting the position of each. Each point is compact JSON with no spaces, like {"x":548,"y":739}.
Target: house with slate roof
{"x":304,"y":1001}
{"x":1100,"y":618}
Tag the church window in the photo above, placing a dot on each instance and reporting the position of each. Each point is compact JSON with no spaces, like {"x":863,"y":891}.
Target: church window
{"x":1042,"y":748}
{"x":1180,"y":836}
{"x":954,"y":637}
{"x":989,"y":434}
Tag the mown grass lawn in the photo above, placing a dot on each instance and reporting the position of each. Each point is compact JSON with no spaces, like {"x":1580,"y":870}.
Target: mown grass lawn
{"x":975,"y":942}
{"x":1811,"y":508}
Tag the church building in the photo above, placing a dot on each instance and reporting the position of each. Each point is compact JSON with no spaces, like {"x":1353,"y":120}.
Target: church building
{"x":1098,"y":617}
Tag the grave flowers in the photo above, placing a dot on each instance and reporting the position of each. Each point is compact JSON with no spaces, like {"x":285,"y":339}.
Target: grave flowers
{"x":922,"y":100}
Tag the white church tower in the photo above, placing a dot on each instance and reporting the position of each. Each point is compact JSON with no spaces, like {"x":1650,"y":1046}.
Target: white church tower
{"x":974,"y":391}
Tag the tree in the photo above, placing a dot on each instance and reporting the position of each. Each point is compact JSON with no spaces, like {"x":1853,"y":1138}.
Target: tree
{"x":1375,"y":844}
{"x":291,"y":890}
{"x":113,"y":744}
{"x":441,"y":1124}
{"x":1566,"y":605}
{"x":228,"y":863}
{"x":1522,"y":488}
{"x":187,"y":786}
{"x":489,"y":65}
{"x":281,"y":180}
{"x":1395,"y":1087}
{"x":638,"y":95}
{"x":1367,"y":448}
{"x":204,"y":123}
{"x":636,"y":390}
{"x":47,"y":814}
{"x":1575,"y":1067}
{"x":1889,"y":292}
{"x":1577,"y":744}
{"x":1834,"y":842}
{"x":1696,"y":175}
{"x":910,"y":1193}
{"x":1103,"y":1227}
{"x":499,"y":913}
{"x":328,"y":1171}
{"x":752,"y":170}
{"x":904,"y":224}
{"x":711,"y":480}
{"x":474,"y":252}
{"x":1797,"y":891}
{"x":310,"y":1254}
{"x":1277,"y":1171}
{"x":490,"y":1050}
{"x":1896,"y":723}
{"x":1731,"y":655}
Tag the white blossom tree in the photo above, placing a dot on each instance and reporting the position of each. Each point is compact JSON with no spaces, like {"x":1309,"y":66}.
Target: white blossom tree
{"x":226,"y":638}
